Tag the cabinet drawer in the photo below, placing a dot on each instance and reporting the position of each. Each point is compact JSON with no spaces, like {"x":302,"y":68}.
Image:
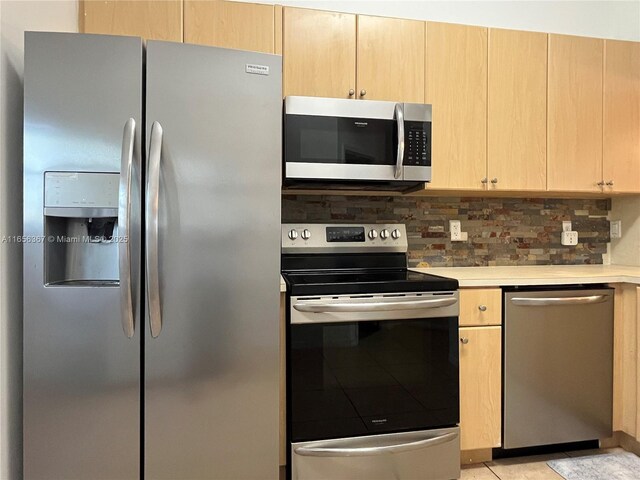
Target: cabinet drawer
{"x":480,"y":306}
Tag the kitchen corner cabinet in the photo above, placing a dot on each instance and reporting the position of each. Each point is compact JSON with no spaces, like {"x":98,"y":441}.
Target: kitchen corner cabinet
{"x":574,"y":157}
{"x":456,"y":86}
{"x":242,"y":26}
{"x":390,"y":59}
{"x":319,"y":53}
{"x":148,"y":19}
{"x":517,"y":111}
{"x":621,"y":162}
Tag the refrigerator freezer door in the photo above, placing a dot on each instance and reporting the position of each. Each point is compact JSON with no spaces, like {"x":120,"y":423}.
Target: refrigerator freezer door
{"x":81,"y":372}
{"x":211,"y":374}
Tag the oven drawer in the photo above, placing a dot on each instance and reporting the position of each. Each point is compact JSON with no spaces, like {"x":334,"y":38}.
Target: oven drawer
{"x":428,"y":455}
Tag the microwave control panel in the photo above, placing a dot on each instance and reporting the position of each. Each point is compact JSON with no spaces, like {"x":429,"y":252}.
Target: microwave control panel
{"x":417,"y":148}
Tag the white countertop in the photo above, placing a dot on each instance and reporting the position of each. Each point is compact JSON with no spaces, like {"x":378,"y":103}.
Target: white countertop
{"x":537,"y":275}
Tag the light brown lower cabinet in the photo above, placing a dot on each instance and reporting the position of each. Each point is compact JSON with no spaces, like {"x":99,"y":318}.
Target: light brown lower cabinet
{"x":626,"y":360}
{"x":480,"y":387}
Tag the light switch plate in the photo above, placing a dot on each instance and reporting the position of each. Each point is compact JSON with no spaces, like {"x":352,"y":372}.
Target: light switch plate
{"x":569,"y":238}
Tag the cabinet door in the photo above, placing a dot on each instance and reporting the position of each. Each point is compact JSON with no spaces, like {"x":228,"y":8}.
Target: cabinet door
{"x":148,"y":19}
{"x":456,"y":86}
{"x":574,"y":159}
{"x":621,"y":116}
{"x":390,"y":59}
{"x":480,"y":306}
{"x":480,"y":389}
{"x":517,"y":110}
{"x":243,"y":26}
{"x":319,"y":53}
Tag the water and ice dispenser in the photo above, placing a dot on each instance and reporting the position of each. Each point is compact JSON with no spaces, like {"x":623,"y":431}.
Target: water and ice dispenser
{"x":81,"y":228}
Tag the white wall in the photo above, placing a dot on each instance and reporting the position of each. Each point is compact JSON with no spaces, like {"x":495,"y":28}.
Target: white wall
{"x":605,"y":19}
{"x":16,"y":16}
{"x":626,"y":250}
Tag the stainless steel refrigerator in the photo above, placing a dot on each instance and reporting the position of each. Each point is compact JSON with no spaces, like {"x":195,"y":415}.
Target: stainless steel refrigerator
{"x":151,"y":259}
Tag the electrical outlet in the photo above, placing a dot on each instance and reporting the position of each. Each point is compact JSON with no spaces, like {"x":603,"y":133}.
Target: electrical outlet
{"x":615,"y":229}
{"x":566,"y":226}
{"x":569,"y":238}
{"x":456,"y":230}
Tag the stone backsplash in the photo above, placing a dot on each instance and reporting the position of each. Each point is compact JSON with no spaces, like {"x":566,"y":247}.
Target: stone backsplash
{"x":502,"y":231}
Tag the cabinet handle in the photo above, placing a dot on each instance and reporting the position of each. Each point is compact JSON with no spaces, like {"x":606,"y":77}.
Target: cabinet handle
{"x":352,"y":92}
{"x":363,"y":92}
{"x":485,"y":180}
{"x":600,"y":183}
{"x":482,"y":308}
{"x":610,"y":183}
{"x":494,"y":180}
{"x":464,"y":340}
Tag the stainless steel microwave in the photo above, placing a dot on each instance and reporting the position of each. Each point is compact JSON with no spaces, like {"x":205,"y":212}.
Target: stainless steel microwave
{"x":357,"y":144}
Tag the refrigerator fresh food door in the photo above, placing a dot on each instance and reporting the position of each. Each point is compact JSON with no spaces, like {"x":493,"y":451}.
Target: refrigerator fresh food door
{"x":82,"y":122}
{"x":213,"y":255}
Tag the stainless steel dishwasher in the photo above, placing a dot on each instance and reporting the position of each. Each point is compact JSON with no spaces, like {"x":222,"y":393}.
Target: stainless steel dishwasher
{"x":557,"y":366}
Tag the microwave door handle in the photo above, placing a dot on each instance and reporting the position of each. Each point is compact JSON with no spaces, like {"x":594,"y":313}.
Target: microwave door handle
{"x":124,"y":227}
{"x":151,"y":227}
{"x":399,"y":113}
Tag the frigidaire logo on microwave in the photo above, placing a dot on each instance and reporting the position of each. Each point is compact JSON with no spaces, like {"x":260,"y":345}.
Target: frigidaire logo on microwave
{"x":361,"y":124}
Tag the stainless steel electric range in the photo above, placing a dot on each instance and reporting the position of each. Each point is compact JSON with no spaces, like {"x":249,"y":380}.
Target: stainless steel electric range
{"x":372,"y":357}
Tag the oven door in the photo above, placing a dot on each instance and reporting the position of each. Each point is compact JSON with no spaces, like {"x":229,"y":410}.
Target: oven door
{"x":365,"y":365}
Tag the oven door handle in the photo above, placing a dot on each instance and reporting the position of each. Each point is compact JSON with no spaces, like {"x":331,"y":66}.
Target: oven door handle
{"x":374,"y":306}
{"x":341,"y":449}
{"x":399,"y":113}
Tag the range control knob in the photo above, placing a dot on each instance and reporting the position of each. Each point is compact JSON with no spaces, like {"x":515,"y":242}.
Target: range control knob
{"x":293,"y":234}
{"x":384,"y":234}
{"x":306,"y":234}
{"x":373,"y":234}
{"x":396,"y":234}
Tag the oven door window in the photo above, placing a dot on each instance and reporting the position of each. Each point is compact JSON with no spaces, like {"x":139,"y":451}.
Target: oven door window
{"x":359,"y":378}
{"x":353,"y":141}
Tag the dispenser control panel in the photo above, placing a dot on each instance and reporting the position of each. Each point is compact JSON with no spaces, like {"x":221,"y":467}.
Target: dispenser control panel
{"x":81,"y":189}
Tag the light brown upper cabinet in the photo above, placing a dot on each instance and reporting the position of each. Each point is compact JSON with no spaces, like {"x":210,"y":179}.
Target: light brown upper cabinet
{"x":319,"y":53}
{"x":391,"y":59}
{"x":574,"y":126}
{"x":243,"y":26}
{"x":517,"y":110}
{"x":456,"y":86}
{"x":621,"y":163}
{"x":151,"y":20}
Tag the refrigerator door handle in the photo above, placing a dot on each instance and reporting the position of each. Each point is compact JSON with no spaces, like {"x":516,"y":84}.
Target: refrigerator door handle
{"x":151,"y":229}
{"x":124,"y":227}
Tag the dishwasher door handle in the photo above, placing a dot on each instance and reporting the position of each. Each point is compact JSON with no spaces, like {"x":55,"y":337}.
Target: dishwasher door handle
{"x":550,"y":301}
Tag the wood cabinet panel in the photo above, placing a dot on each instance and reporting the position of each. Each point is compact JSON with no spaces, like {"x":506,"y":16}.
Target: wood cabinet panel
{"x":319,"y":53}
{"x":517,"y":110}
{"x":480,"y":306}
{"x":390,"y":59}
{"x":149,"y":19}
{"x":243,"y":26}
{"x":456,"y":86}
{"x":480,"y":387}
{"x":625,"y":359}
{"x":621,"y":162}
{"x":575,"y":113}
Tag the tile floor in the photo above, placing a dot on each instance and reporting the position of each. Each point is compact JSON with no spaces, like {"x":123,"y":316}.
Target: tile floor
{"x":524,"y":468}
